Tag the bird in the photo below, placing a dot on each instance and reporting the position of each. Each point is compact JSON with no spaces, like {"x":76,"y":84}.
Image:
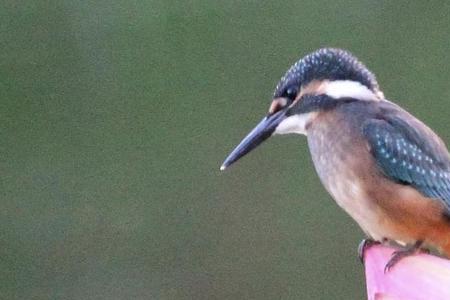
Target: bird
{"x":384,"y":167}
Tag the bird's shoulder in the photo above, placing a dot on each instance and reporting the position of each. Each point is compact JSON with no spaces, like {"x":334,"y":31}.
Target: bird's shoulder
{"x":391,"y":116}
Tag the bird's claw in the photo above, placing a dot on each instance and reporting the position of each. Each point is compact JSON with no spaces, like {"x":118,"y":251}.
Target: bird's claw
{"x":363,"y":246}
{"x":400,"y":254}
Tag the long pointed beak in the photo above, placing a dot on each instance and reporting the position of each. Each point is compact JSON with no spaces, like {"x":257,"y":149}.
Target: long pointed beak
{"x":259,"y":134}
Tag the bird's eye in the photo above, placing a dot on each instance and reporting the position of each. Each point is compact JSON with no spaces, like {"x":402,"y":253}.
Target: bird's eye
{"x":291,"y":93}
{"x":285,"y":99}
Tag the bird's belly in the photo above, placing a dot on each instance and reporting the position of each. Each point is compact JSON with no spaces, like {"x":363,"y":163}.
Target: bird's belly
{"x":349,"y":194}
{"x":382,"y":214}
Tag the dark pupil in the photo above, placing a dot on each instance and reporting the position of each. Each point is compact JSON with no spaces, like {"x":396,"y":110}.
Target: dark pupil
{"x":291,"y":93}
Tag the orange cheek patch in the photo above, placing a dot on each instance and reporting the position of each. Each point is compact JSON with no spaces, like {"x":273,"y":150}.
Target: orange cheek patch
{"x":277,"y":104}
{"x":314,"y":88}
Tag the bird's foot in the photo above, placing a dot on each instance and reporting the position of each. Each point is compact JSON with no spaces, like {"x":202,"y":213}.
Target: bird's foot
{"x":400,"y":254}
{"x":363,"y":246}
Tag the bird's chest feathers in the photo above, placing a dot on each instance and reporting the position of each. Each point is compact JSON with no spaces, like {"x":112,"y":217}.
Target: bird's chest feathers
{"x":336,"y":168}
{"x":335,"y":151}
{"x":341,"y":161}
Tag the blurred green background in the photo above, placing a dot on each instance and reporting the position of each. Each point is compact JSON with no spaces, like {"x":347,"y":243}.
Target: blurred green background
{"x":115,"y":118}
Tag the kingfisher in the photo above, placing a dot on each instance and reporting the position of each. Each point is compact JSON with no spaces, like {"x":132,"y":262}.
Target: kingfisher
{"x":387,"y":169}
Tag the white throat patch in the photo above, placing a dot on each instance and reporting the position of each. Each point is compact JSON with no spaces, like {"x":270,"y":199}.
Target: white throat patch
{"x":348,"y":89}
{"x":295,"y":124}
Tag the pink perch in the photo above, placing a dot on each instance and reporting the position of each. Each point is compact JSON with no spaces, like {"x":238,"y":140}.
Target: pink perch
{"x":417,"y":277}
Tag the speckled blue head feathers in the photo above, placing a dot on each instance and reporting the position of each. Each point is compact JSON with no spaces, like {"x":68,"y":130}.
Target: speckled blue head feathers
{"x":326,"y":64}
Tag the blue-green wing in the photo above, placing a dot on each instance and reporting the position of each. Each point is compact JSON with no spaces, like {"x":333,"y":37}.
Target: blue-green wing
{"x":408,"y":152}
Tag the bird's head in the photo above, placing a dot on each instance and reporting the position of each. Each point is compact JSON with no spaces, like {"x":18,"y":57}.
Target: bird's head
{"x":313,"y":84}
